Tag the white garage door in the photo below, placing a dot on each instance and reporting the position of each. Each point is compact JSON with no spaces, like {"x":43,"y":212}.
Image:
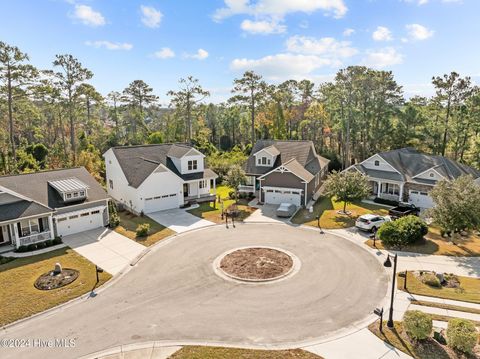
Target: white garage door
{"x":421,"y":199}
{"x":160,"y":203}
{"x":80,"y":221}
{"x":282,"y":195}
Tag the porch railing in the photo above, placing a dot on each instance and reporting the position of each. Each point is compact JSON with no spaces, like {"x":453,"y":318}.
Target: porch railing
{"x":246,"y":188}
{"x":34,"y":238}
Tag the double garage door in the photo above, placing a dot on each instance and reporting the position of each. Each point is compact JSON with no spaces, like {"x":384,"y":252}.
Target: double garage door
{"x":160,"y":203}
{"x":421,"y":199}
{"x":80,"y":221}
{"x":283,"y":195}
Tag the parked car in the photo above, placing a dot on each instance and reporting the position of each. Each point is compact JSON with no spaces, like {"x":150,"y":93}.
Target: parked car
{"x":371,"y":222}
{"x":286,"y":210}
{"x":403,"y":209}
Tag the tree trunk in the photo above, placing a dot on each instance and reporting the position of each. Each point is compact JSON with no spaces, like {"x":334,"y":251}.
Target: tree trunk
{"x":72,"y":127}
{"x":445,"y":132}
{"x":10,"y":118}
{"x":252,"y":110}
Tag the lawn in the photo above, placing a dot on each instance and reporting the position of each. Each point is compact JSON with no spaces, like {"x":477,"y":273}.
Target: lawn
{"x":434,"y":243}
{"x":20,"y":299}
{"x":327,"y":208}
{"x":198,"y":352}
{"x":446,"y":306}
{"x":213,"y":212}
{"x":129,"y":223}
{"x":469,"y":290}
{"x":428,"y":349}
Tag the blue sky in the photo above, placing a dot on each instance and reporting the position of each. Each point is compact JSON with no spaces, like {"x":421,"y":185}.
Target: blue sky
{"x":215,"y":40}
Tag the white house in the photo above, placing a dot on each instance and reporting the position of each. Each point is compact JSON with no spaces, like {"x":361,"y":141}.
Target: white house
{"x":36,"y":207}
{"x":408,"y":175}
{"x":152,"y":178}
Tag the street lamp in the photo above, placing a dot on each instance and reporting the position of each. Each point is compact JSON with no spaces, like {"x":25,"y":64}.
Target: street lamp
{"x":318,"y":224}
{"x":388,"y":264}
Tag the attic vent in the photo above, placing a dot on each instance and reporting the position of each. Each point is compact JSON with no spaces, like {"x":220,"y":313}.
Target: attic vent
{"x":149,"y":160}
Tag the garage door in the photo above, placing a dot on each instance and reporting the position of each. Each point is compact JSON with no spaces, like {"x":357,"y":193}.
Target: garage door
{"x":80,"y":221}
{"x":160,"y":203}
{"x":277,"y":196}
{"x":421,"y":199}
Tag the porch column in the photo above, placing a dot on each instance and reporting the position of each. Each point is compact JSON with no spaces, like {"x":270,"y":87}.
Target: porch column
{"x":16,"y":237}
{"x":50,"y":226}
{"x":215,"y":186}
{"x":198,"y":189}
{"x":260,"y":191}
{"x":379,"y":188}
{"x":400,"y":195}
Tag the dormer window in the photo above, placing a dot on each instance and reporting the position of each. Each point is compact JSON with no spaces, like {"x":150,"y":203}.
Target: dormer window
{"x":264,"y":160}
{"x":376,"y":163}
{"x":68,"y":195}
{"x":70,"y":189}
{"x":192,"y":165}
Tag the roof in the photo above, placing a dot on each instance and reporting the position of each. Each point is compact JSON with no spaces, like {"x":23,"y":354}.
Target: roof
{"x":295,"y":167}
{"x":302,"y":151}
{"x":411,"y":162}
{"x":139,"y":162}
{"x":35,"y":186}
{"x":68,"y":185}
{"x":393,"y":176}
{"x":271,"y":150}
{"x":14,"y":207}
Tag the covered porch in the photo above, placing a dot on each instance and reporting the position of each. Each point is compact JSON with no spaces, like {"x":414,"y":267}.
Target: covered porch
{"x":25,"y":231}
{"x":251,"y":185}
{"x":389,"y":190}
{"x":202,"y":190}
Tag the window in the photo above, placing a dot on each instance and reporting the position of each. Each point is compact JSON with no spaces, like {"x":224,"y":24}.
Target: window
{"x":173,"y":195}
{"x":259,"y":161}
{"x":376,"y":163}
{"x":68,"y":195}
{"x":270,"y":190}
{"x":82,"y":193}
{"x":73,"y":217}
{"x":424,"y":193}
{"x":264,"y":160}
{"x":110,"y":183}
{"x":95,"y":212}
{"x":148,"y":199}
{"x":192,"y":165}
{"x":75,"y":194}
{"x":432,"y":174}
{"x":165,"y":196}
{"x":61,"y":219}
{"x":390,"y":188}
{"x":202,"y":184}
{"x":85,"y":214}
{"x":268,"y":161}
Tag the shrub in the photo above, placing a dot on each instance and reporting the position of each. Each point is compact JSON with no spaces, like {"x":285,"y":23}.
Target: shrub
{"x":41,"y":245}
{"x":22,"y":249}
{"x":388,"y":202}
{"x":49,"y":242}
{"x":114,"y":220}
{"x":4,"y":260}
{"x":431,"y":279}
{"x":31,"y":247}
{"x":461,"y":335}
{"x":142,"y":229}
{"x":57,"y":240}
{"x":231,"y":194}
{"x":402,"y":232}
{"x":417,"y":324}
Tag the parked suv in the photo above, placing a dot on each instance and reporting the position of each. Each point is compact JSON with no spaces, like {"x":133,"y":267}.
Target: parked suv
{"x":371,"y":222}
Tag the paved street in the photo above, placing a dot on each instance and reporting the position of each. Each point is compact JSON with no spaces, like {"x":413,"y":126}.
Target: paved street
{"x":174,"y":294}
{"x":179,"y":220}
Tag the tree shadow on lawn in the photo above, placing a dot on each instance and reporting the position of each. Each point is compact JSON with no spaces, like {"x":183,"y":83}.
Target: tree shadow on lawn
{"x":21,"y":261}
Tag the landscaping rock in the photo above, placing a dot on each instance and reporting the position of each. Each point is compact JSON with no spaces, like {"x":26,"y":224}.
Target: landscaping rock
{"x":58,"y":269}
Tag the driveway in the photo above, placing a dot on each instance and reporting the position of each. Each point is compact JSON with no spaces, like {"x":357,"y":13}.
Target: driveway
{"x":265,"y":213}
{"x":174,"y":294}
{"x":107,"y":249}
{"x":179,"y":220}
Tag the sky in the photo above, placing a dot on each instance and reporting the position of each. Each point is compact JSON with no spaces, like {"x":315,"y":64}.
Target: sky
{"x":161,"y":41}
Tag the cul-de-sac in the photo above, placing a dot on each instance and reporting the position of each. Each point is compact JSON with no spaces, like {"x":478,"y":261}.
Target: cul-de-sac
{"x":239,"y":179}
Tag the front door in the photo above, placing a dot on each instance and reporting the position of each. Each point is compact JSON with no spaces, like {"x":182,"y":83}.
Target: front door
{"x":4,"y":234}
{"x":185,"y":190}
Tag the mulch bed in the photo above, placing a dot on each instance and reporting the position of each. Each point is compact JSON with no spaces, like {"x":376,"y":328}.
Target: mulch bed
{"x":256,"y":263}
{"x":48,"y":281}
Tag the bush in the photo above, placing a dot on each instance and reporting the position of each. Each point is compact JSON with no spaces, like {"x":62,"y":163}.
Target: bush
{"x":461,"y":335}
{"x":57,"y":240}
{"x":114,"y":220}
{"x":41,"y":245}
{"x":402,"y":232}
{"x":231,"y":194}
{"x":388,"y":202}
{"x":417,"y":324}
{"x":22,"y":249}
{"x":31,"y":247}
{"x":431,"y":279}
{"x":142,"y":230}
{"x":49,"y":242}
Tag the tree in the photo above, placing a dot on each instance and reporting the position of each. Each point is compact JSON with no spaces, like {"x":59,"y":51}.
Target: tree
{"x":462,"y":335}
{"x":155,"y":138}
{"x":88,"y":93}
{"x":347,"y":187}
{"x":71,"y":76}
{"x":114,"y":97}
{"x":250,"y":89}
{"x":417,"y":324}
{"x":190,"y":93}
{"x":235,"y":177}
{"x":457,"y":205}
{"x":15,"y":75}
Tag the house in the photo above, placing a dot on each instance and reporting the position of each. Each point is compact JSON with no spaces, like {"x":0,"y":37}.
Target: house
{"x":35,"y":207}
{"x":152,"y":178}
{"x":407,"y":175}
{"x":284,"y":171}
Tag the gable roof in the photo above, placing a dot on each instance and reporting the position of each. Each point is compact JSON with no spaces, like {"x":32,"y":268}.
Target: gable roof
{"x":139,"y":162}
{"x":302,"y":151}
{"x":35,"y":186}
{"x":411,"y":162}
{"x":14,"y":207}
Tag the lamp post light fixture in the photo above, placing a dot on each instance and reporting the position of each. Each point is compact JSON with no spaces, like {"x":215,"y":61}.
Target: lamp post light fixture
{"x":388,"y":264}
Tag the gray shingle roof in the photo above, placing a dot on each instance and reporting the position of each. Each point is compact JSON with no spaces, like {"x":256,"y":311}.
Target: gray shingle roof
{"x":302,"y":151}
{"x":21,"y":209}
{"x":35,"y":186}
{"x":138,"y":162}
{"x":294,"y":166}
{"x":394,"y":176}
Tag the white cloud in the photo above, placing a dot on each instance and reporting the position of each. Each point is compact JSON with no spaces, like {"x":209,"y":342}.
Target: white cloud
{"x":325,"y":46}
{"x":280,"y":8}
{"x":200,"y":55}
{"x":419,"y":32}
{"x":262,"y":27}
{"x":382,"y":58}
{"x":382,"y":33}
{"x":151,"y":17}
{"x":282,"y":66}
{"x":348,"y":32}
{"x":110,"y":45}
{"x":164,"y":53}
{"x":87,"y":16}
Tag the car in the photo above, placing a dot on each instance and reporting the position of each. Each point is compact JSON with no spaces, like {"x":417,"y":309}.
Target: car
{"x":286,"y":210}
{"x":371,"y":222}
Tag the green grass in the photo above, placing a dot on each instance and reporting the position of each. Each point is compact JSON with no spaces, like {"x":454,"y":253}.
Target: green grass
{"x":19,"y":298}
{"x":198,"y":352}
{"x":446,"y":306}
{"x":469,"y":290}
{"x":327,"y":207}
{"x":129,"y":223}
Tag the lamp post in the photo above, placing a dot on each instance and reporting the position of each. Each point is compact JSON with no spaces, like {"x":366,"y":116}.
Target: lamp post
{"x":388,"y":264}
{"x":98,"y":270}
{"x":318,"y":224}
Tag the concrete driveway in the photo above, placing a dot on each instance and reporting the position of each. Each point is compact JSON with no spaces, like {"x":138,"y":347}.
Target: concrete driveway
{"x":174,"y":294}
{"x":106,"y":248}
{"x":179,"y":220}
{"x":265,"y":213}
